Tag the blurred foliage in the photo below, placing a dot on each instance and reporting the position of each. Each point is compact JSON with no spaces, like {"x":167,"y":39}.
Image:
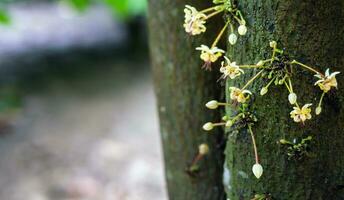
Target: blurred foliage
{"x":123,"y":9}
{"x":4,"y":17}
{"x":9,"y":99}
{"x":127,"y":8}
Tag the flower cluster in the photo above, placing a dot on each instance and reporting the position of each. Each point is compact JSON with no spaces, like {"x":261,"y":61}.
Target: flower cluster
{"x":276,"y":70}
{"x":195,"y":24}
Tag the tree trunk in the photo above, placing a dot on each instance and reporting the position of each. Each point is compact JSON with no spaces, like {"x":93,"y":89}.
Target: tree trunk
{"x":182,"y":89}
{"x":312,"y":32}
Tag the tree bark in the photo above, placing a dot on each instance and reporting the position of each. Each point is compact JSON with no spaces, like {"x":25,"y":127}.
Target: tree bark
{"x":182,"y":89}
{"x":312,"y":32}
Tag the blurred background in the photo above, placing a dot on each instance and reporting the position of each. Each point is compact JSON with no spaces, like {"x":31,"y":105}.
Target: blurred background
{"x":77,"y":108}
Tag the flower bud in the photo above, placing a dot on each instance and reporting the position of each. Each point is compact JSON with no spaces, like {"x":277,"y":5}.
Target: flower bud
{"x":263,"y":91}
{"x":318,"y":110}
{"x":229,"y":123}
{"x":212,"y":104}
{"x":242,"y":30}
{"x":257,"y":170}
{"x":260,"y":63}
{"x":292,"y":98}
{"x":232,"y":38}
{"x":203,"y":149}
{"x":208,"y":126}
{"x":283,"y":141}
{"x":225,"y":118}
{"x":273,"y":44}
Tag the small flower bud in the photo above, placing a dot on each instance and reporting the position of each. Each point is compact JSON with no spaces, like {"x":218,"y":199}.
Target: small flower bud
{"x":212,"y":104}
{"x":242,"y":30}
{"x":208,"y":126}
{"x":225,"y":118}
{"x":283,"y":141}
{"x":260,"y":63}
{"x":203,"y":149}
{"x":273,"y":44}
{"x":232,"y":38}
{"x":257,"y":170}
{"x":263,"y":91}
{"x":292,"y":98}
{"x":318,"y":110}
{"x":229,"y":123}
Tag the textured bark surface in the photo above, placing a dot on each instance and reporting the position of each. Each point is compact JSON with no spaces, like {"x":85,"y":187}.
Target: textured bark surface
{"x":182,"y":89}
{"x":312,"y":32}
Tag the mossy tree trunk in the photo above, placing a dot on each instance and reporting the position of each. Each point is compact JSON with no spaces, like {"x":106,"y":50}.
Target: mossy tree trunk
{"x":182,"y":89}
{"x":312,"y":32}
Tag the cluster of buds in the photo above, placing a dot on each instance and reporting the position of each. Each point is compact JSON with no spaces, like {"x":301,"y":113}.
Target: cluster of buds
{"x":195,"y":24}
{"x":297,"y":149}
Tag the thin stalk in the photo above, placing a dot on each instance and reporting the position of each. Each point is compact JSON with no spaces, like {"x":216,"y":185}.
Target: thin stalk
{"x":254,"y":144}
{"x":250,"y":66}
{"x":321,"y":99}
{"x":242,"y":18}
{"x":272,"y":80}
{"x":219,"y":124}
{"x":307,"y":67}
{"x":252,"y":79}
{"x":208,"y":9}
{"x":220,"y":35}
{"x":290,"y":85}
{"x":214,"y":13}
{"x":223,"y":104}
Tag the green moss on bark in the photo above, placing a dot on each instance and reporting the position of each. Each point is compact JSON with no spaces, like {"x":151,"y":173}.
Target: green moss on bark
{"x":312,"y":32}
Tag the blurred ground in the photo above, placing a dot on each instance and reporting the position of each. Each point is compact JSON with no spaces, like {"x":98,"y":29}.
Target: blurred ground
{"x":91,"y":135}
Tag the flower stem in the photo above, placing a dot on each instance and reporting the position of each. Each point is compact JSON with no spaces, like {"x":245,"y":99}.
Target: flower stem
{"x":254,"y":144}
{"x":236,"y":18}
{"x":272,"y":80}
{"x":250,"y":66}
{"x":286,"y":85}
{"x":214,"y":13}
{"x":220,"y":34}
{"x":307,"y":67}
{"x":242,"y":18}
{"x":219,"y":124}
{"x":209,"y":9}
{"x":321,"y":99}
{"x":223,"y":104}
{"x":252,"y":79}
{"x":290,"y":85}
